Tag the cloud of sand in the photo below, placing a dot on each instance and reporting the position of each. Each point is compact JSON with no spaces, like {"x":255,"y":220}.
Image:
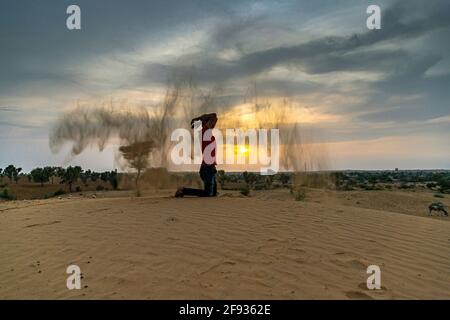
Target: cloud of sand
{"x":85,"y":126}
{"x":298,"y":150}
{"x":90,"y":125}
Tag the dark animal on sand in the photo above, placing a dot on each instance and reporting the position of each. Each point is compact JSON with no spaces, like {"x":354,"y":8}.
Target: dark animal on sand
{"x":437,"y":206}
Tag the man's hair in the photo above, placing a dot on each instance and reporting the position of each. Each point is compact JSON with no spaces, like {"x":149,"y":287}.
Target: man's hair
{"x":204,"y":118}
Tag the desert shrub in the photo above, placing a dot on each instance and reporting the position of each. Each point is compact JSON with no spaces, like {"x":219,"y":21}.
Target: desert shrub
{"x":371,"y":187}
{"x":314,"y":180}
{"x":368,"y":187}
{"x":6,"y":195}
{"x":245,"y":191}
{"x":444,"y":185}
{"x":269,"y":182}
{"x":299,"y":194}
{"x":437,"y":195}
{"x":345,"y":187}
{"x":54,"y":194}
{"x":340,"y":180}
{"x":250,"y":179}
{"x":221,"y":178}
{"x":58,"y":192}
{"x":284,"y":178}
{"x":431,"y":185}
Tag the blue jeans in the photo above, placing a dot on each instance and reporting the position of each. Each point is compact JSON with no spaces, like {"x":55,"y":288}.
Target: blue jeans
{"x":208,"y":175}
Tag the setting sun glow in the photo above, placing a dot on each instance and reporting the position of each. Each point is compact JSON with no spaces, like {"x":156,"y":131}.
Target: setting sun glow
{"x":243,"y":149}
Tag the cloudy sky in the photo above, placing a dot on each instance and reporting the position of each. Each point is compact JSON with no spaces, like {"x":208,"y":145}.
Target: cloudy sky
{"x":376,"y":99}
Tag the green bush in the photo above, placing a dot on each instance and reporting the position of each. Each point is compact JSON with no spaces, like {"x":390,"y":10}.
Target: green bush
{"x":345,"y":187}
{"x":431,"y":185}
{"x":6,"y":195}
{"x":54,"y":194}
{"x":444,"y":184}
{"x":406,"y":186}
{"x":368,"y":187}
{"x":300,"y":194}
{"x":245,"y":191}
{"x":437,"y":195}
{"x":58,"y":193}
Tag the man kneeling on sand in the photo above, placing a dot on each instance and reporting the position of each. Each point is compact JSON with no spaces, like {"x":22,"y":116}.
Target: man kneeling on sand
{"x":208,"y":167}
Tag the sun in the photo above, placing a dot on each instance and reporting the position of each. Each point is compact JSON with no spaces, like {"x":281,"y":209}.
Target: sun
{"x":243,"y":149}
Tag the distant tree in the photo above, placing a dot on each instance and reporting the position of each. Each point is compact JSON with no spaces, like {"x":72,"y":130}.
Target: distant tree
{"x":50,"y":172}
{"x":40,"y":175}
{"x":249,"y":178}
{"x":104,"y":176}
{"x":9,"y":171}
{"x":17,"y":175}
{"x":221,"y":177}
{"x":137,"y":155}
{"x":84,"y":176}
{"x":60,"y":172}
{"x":12,"y":173}
{"x":55,"y":173}
{"x":444,"y":184}
{"x":112,"y":178}
{"x":95,"y":176}
{"x":71,"y":175}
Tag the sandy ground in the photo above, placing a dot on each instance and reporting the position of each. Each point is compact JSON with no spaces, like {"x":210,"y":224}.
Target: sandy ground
{"x":267,"y":246}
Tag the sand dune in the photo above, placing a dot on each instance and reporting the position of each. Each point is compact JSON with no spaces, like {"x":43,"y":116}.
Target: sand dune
{"x":267,"y":246}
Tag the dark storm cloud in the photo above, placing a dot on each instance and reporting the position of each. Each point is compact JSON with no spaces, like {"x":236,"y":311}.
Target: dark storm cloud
{"x":325,"y":54}
{"x":37,"y":45}
{"x":432,"y":102}
{"x":402,"y":65}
